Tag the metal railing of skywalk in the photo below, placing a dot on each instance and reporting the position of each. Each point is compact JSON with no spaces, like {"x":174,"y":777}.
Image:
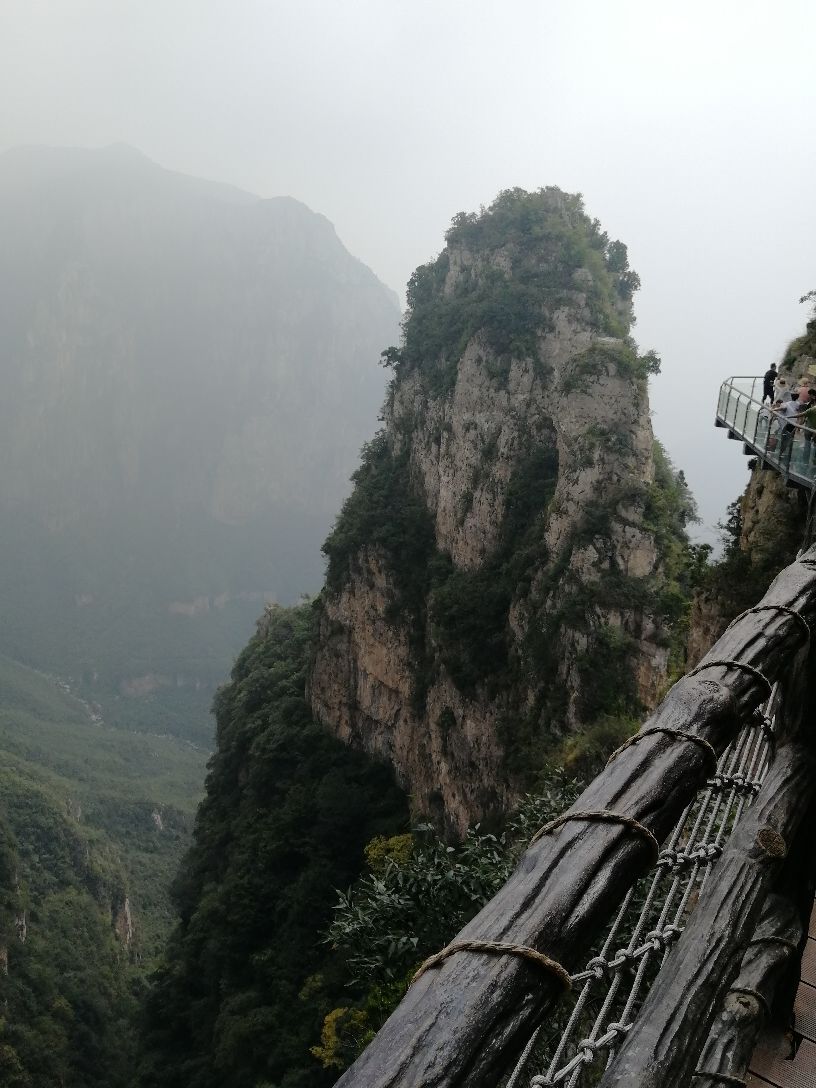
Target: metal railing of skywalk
{"x":789,"y":448}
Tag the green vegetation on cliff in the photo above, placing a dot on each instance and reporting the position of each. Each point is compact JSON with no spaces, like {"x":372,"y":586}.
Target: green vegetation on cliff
{"x":417,"y":892}
{"x":557,"y":250}
{"x":498,"y":628}
{"x":288,"y":811}
{"x":467,"y":612}
{"x":609,"y":705}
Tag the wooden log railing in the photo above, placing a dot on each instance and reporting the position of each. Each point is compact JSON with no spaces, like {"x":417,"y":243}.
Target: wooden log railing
{"x":463,"y":1022}
{"x":653,"y":915}
{"x":735,"y":1030}
{"x":664,"y":1044}
{"x":673,"y":1027}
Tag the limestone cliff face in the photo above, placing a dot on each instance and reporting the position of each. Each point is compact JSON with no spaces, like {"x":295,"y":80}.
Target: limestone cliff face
{"x":531,"y":610}
{"x":764,"y":532}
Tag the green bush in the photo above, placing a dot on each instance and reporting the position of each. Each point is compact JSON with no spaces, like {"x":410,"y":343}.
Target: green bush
{"x":383,"y":513}
{"x":404,"y":910}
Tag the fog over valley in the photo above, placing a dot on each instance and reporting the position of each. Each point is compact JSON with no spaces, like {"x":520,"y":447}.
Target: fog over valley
{"x":361,"y":498}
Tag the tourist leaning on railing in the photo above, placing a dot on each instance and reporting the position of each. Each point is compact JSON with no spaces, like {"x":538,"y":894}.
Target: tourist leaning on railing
{"x":789,"y":412}
{"x":808,"y":419}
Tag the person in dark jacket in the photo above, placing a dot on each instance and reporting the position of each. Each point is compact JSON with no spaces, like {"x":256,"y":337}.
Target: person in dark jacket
{"x":768,"y":384}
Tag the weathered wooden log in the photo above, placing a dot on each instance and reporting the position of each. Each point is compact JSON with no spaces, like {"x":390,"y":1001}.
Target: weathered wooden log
{"x":461,"y":1023}
{"x":746,"y":1006}
{"x":664,"y":1044}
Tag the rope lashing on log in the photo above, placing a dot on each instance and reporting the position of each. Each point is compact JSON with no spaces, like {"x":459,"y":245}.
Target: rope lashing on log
{"x":601,"y":816}
{"x":676,"y":734}
{"x":719,"y":1078}
{"x":741,"y":665}
{"x":800,"y":619}
{"x":771,"y":938}
{"x":497,"y":948}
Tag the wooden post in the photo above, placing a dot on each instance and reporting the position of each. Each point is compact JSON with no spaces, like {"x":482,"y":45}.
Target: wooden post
{"x":461,"y":1024}
{"x":736,"y":1028}
{"x":664,"y":1045}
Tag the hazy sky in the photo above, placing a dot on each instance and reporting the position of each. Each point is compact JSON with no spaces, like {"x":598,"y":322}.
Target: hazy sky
{"x":688,"y":128}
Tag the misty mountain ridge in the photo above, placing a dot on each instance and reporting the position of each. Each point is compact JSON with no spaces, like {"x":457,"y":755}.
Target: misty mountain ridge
{"x":189,"y":372}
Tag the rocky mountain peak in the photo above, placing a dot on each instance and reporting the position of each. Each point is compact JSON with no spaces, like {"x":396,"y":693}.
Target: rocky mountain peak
{"x":500,"y":576}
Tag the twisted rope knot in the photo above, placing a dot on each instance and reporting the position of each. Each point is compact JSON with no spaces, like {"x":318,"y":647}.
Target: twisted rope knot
{"x":668,"y":859}
{"x":599,"y":968}
{"x":763,"y":722}
{"x":660,"y":939}
{"x":623,"y":957}
{"x":587,"y":1048}
{"x":720,"y":1078}
{"x":740,"y":783}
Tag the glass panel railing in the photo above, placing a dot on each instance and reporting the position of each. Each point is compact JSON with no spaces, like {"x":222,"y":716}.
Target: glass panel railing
{"x":751,"y":424}
{"x":787,"y":446}
{"x":741,"y":414}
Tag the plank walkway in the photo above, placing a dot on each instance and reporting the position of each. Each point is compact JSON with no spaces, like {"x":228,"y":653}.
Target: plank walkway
{"x":782,"y":1061}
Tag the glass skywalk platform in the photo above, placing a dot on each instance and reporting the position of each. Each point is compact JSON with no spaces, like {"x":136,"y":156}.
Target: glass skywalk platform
{"x":762,"y":431}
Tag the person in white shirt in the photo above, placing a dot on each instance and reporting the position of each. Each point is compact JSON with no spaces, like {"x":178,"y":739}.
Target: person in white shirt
{"x":790,"y":411}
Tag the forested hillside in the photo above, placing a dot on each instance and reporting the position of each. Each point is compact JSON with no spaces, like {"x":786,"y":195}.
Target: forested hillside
{"x":93,"y":823}
{"x":247,"y":982}
{"x":188,"y":373}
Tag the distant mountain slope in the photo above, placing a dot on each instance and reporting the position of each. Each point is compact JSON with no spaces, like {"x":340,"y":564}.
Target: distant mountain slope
{"x":93,"y":821}
{"x":135,"y":794}
{"x":188,"y":373}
